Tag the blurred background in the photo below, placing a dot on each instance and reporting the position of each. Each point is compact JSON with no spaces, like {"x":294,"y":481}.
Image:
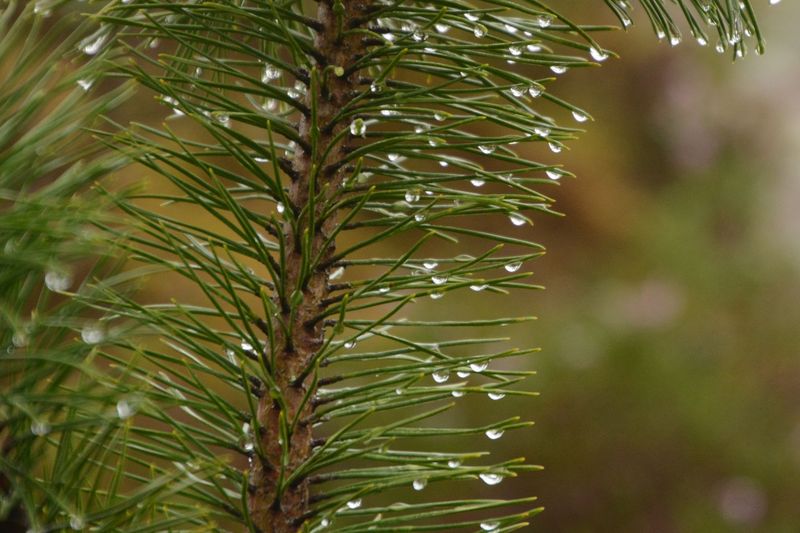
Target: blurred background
{"x":670,"y":326}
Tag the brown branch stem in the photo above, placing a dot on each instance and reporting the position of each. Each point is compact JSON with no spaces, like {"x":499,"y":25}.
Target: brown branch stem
{"x":283,"y":509}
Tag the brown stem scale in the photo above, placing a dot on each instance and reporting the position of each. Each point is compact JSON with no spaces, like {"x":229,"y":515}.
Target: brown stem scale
{"x":283,"y":513}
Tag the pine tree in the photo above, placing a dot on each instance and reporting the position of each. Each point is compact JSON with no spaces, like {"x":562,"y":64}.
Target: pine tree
{"x":321,"y":168}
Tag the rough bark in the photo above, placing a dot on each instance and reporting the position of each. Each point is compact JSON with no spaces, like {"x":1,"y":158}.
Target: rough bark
{"x":283,"y":513}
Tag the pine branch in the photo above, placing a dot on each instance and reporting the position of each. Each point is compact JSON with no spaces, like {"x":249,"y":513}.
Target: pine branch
{"x":319,"y":173}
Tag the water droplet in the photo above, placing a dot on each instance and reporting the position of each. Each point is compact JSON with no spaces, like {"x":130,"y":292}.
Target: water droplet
{"x":439,"y":280}
{"x":173,"y":103}
{"x":20,"y":339}
{"x":554,"y":147}
{"x":57,"y":280}
{"x":701,"y":40}
{"x":457,"y":393}
{"x":512,"y":267}
{"x":517,"y":91}
{"x":472,"y":17}
{"x":477,"y":182}
{"x":441,"y":28}
{"x":42,"y":9}
{"x":441,"y":376}
{"x":279,"y":207}
{"x":40,"y":428}
{"x":597,"y":54}
{"x":494,"y":434}
{"x":383,"y":290}
{"x":398,"y":391}
{"x":439,"y":117}
{"x":270,"y":73}
{"x":579,"y":117}
{"x":490,"y":478}
{"x":553,"y":174}
{"x":535,"y":48}
{"x":496,"y":395}
{"x":94,"y":43}
{"x":463,"y":373}
{"x":419,"y":36}
{"x":336,"y":273}
{"x":93,"y":334}
{"x":478,"y":288}
{"x":489,"y":526}
{"x":393,"y":157}
{"x":354,"y":504}
{"x":517,"y":220}
{"x":85,"y":84}
{"x":479,"y":367}
{"x":430,"y":265}
{"x":541,"y":131}
{"x":479,"y":31}
{"x":436,"y":295}
{"x":544,"y":21}
{"x":453,"y":463}
{"x":76,"y":522}
{"x":675,"y":40}
{"x":535,"y":91}
{"x":324,"y":522}
{"x":224,"y":119}
{"x":419,"y":217}
{"x":559,"y":69}
{"x":125,"y":409}
{"x":350,"y":344}
{"x":419,"y":484}
{"x":486,"y":149}
{"x":515,"y":51}
{"x":246,"y":346}
{"x":358,"y":127}
{"x":231,"y":355}
{"x":411,"y":196}
{"x":774,"y":2}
